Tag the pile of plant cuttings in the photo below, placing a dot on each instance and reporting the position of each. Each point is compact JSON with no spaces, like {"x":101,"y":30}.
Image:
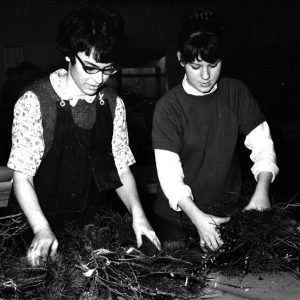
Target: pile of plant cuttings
{"x":102,"y":262}
{"x":260,"y":241}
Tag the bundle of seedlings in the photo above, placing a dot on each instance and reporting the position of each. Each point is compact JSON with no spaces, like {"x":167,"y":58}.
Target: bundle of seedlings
{"x":102,"y":262}
{"x":14,"y":274}
{"x":260,"y":241}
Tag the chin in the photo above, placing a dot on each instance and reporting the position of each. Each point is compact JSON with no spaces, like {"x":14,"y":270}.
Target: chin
{"x":91,"y":92}
{"x":205,"y":90}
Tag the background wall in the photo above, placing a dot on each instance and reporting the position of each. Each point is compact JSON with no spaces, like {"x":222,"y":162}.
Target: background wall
{"x":263,"y":49}
{"x":263,"y":33}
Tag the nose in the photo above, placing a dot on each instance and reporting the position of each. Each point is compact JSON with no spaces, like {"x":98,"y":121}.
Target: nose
{"x":205,"y":72}
{"x":98,"y":77}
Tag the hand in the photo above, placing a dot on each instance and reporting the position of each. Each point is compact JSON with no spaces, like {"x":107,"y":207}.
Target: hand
{"x":43,"y":244}
{"x":259,"y":201}
{"x":141,"y":227}
{"x":206,"y":226}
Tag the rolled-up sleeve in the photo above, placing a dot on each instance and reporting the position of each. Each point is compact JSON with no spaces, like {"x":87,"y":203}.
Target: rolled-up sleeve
{"x":171,"y":177}
{"x":120,"y":142}
{"x":263,"y":155}
{"x":27,"y":135}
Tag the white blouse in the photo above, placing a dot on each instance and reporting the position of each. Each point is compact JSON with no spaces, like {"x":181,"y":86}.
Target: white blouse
{"x":27,"y":130}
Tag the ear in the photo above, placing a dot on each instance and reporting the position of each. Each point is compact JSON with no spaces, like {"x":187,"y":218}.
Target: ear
{"x":179,"y":58}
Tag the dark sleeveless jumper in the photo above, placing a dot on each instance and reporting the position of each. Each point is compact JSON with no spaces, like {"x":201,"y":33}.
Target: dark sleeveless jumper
{"x":78,"y":163}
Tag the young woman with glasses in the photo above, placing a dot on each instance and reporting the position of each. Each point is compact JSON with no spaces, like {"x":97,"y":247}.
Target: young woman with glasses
{"x":70,"y":141}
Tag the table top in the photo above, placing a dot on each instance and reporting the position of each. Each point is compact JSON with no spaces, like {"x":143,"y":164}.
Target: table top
{"x":277,"y":286}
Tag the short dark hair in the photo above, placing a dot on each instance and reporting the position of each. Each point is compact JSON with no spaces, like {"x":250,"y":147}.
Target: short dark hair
{"x":201,"y":35}
{"x":92,"y":29}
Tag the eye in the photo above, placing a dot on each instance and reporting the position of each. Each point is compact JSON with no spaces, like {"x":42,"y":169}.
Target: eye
{"x":195,"y":67}
{"x":90,"y":69}
{"x":215,"y":64}
{"x":110,"y":69}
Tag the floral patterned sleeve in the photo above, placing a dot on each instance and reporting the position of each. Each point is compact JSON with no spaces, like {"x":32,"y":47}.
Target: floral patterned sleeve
{"x":120,"y":141}
{"x":27,"y":135}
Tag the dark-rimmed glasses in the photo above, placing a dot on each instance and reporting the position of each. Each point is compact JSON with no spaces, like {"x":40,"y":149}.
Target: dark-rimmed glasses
{"x":109,"y":70}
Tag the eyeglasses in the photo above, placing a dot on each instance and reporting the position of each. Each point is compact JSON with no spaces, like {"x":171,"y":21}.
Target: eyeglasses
{"x":109,"y":70}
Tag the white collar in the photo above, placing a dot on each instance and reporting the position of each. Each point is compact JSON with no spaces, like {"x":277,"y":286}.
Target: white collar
{"x":56,"y":81}
{"x":192,"y":91}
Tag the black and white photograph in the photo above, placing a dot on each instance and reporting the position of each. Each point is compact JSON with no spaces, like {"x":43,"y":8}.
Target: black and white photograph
{"x":149,"y":149}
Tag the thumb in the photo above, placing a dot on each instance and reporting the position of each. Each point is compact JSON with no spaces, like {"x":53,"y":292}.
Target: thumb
{"x":224,"y":220}
{"x":54,"y":249}
{"x":139,"y":241}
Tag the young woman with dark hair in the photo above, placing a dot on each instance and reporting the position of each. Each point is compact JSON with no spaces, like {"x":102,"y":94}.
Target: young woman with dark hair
{"x":196,"y":127}
{"x":70,"y":140}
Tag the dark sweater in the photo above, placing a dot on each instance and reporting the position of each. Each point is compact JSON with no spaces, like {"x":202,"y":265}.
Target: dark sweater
{"x":204,"y":131}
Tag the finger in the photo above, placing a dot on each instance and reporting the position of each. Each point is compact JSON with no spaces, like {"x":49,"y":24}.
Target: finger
{"x":38,"y":253}
{"x":155,"y":241}
{"x":203,"y":246}
{"x":213,"y":244}
{"x":30,"y":256}
{"x":150,"y":234}
{"x":209,"y":242}
{"x":33,"y":256}
{"x":216,"y":242}
{"x":219,"y":241}
{"x":44,"y":252}
{"x":224,"y":220}
{"x":139,"y":240}
{"x":54,"y":247}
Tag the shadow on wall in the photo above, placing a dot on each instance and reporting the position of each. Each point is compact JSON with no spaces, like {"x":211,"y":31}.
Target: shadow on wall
{"x":17,"y":78}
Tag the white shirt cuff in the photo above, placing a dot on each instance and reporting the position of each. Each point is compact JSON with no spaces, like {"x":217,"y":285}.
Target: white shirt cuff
{"x":260,"y":142}
{"x":171,"y":177}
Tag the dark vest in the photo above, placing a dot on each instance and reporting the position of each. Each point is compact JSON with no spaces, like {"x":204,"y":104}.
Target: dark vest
{"x":78,"y":155}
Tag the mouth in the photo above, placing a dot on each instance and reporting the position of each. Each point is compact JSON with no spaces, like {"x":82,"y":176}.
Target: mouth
{"x":94,"y":85}
{"x":205,"y":84}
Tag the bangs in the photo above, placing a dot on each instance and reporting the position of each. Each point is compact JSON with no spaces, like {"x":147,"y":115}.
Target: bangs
{"x":101,"y":54}
{"x":103,"y":49}
{"x":205,"y":46}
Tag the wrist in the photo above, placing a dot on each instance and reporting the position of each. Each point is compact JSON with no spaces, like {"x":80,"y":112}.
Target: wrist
{"x":43,"y":225}
{"x":191,"y":209}
{"x":264,"y":178}
{"x":137,"y":212}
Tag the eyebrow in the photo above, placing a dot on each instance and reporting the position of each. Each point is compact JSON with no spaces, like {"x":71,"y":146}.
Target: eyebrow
{"x":201,"y":61}
{"x":93,"y":65}
{"x":88,"y":62}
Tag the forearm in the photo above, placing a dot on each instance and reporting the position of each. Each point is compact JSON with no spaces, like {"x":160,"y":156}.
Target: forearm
{"x":28,"y":201}
{"x":128,"y":193}
{"x":171,"y":177}
{"x":188,"y":206}
{"x":264,"y":180}
{"x":263,"y":183}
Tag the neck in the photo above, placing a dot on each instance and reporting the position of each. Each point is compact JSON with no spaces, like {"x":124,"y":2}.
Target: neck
{"x":69,"y":84}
